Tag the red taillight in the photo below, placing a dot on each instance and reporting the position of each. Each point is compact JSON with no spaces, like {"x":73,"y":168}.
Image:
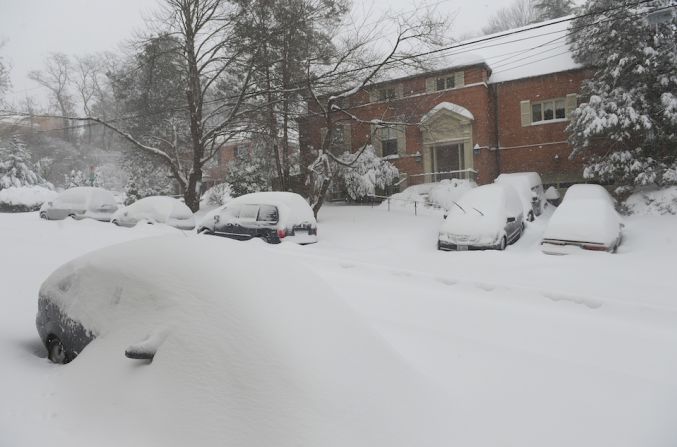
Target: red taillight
{"x":281,"y":233}
{"x":594,"y":247}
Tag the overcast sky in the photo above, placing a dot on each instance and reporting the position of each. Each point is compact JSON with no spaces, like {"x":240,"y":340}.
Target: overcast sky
{"x":32,"y":29}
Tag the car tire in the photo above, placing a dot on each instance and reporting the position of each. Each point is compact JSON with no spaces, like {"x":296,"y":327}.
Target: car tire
{"x":56,"y":352}
{"x":43,"y":215}
{"x":204,"y":230}
{"x":530,"y":216}
{"x":115,"y":222}
{"x":503,"y":243}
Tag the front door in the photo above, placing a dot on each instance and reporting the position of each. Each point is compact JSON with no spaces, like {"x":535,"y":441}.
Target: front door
{"x":447,"y":158}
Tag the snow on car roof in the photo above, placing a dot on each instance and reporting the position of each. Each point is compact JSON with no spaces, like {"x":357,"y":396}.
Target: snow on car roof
{"x":588,"y":191}
{"x":290,"y":205}
{"x":590,"y":219}
{"x":533,"y":178}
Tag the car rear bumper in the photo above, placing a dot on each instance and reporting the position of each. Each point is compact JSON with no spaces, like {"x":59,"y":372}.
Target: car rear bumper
{"x":568,"y":248}
{"x":449,"y":246}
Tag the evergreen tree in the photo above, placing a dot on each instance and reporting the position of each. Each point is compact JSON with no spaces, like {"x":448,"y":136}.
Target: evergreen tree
{"x":75,"y":178}
{"x":250,"y":173}
{"x":629,"y":106}
{"x":131,"y":192}
{"x":16,"y":168}
{"x":553,"y":9}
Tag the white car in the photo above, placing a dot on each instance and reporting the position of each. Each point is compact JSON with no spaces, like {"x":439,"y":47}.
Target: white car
{"x":530,"y":188}
{"x":271,"y":216}
{"x":156,"y":209}
{"x":489,"y":216}
{"x":586,"y":219}
{"x":79,"y":203}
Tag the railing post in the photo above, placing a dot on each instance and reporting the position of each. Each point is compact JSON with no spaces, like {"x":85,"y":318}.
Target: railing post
{"x":388,"y":204}
{"x":415,"y":208}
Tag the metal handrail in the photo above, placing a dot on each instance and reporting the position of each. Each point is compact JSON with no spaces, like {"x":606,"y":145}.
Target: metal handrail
{"x":415,"y":202}
{"x":459,"y":171}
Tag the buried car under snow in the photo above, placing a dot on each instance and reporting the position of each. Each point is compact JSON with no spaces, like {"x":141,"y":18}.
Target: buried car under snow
{"x":281,"y":361}
{"x":156,"y":209}
{"x":586,"y":219}
{"x":489,"y":216}
{"x":79,"y":203}
{"x":271,"y":216}
{"x":530,"y":189}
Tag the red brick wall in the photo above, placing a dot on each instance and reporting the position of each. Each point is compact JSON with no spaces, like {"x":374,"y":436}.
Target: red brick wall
{"x":538,"y":147}
{"x":541,"y":148}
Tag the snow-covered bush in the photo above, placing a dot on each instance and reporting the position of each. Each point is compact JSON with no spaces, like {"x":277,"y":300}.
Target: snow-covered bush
{"x":628,"y":107}
{"x":366,"y":174}
{"x":16,"y":168}
{"x":653,"y":201}
{"x":24,"y":198}
{"x":217,"y":195}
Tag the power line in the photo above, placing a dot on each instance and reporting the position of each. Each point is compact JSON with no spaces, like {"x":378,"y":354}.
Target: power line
{"x":418,"y":55}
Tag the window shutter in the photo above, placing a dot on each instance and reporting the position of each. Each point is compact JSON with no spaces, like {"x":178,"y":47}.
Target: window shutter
{"x":323,"y":135}
{"x":399,"y":91}
{"x":376,"y":140}
{"x":525,"y":108}
{"x":570,"y":104}
{"x":401,"y":139}
{"x":373,"y":95}
{"x":459,"y":79}
{"x":347,"y":130}
{"x":430,"y":85}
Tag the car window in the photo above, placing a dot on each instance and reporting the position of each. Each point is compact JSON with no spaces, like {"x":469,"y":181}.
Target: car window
{"x":231,"y":211}
{"x":268,"y":213}
{"x":249,"y":212}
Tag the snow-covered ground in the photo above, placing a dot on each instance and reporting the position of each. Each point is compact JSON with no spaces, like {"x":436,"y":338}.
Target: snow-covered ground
{"x":527,"y":349}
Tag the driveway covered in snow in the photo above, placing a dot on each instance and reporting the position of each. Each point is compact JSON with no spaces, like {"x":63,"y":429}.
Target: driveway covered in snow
{"x":526,"y":349}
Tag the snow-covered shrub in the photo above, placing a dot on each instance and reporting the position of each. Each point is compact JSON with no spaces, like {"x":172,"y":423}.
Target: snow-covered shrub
{"x":16,"y":168}
{"x":366,"y":174}
{"x":217,"y":195}
{"x":653,"y":201}
{"x":628,"y":106}
{"x":24,"y":198}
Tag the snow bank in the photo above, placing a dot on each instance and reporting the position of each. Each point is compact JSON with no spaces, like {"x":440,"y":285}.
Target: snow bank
{"x":653,"y":202}
{"x":435,"y":197}
{"x":24,"y":198}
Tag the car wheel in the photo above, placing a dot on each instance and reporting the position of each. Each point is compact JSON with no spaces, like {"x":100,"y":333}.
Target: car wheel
{"x":530,"y":216}
{"x":204,"y":230}
{"x":43,"y":215}
{"x":503,"y":243}
{"x":115,"y":222}
{"x":56,"y":352}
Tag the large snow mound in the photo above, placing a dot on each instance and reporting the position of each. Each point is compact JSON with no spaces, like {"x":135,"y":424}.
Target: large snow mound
{"x":26,"y":198}
{"x":653,"y":202}
{"x":447,"y":192}
{"x":279,"y":362}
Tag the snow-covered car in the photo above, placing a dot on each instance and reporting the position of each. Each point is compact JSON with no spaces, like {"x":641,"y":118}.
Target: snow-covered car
{"x":586,"y":219}
{"x":156,"y":209}
{"x":79,"y":203}
{"x":530,"y":188}
{"x":271,"y":216}
{"x":486,"y":217}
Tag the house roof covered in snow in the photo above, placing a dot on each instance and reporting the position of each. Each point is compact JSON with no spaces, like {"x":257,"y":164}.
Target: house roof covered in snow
{"x":533,"y":50}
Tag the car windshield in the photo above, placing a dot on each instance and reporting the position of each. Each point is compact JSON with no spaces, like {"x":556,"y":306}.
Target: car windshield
{"x":268,"y":213}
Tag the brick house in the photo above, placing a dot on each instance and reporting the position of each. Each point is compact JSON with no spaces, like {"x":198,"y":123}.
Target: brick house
{"x":217,"y":170}
{"x":500,"y":105}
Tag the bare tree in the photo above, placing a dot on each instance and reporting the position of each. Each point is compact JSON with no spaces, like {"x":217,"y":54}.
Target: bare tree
{"x":353,"y":68}
{"x":56,"y":78}
{"x":517,"y":14}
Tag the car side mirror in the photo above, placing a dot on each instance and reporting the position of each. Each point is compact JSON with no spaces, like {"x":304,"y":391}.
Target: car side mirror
{"x":511,"y":219}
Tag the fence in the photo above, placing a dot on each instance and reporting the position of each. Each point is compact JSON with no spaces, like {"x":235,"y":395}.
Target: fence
{"x":417,"y":203}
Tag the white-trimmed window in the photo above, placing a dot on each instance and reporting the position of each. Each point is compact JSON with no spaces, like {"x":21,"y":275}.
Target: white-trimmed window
{"x":549,"y":110}
{"x":552,"y":109}
{"x":387,"y":94}
{"x":445,"y":83}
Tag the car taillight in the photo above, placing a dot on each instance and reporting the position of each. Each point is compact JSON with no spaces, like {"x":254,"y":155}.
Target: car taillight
{"x":594,"y":247}
{"x":281,"y":233}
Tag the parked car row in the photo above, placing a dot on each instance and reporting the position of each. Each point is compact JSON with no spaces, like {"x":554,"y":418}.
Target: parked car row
{"x":270,"y":216}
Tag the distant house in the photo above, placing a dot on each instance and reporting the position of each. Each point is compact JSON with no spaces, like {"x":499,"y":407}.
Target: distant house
{"x":217,"y":171}
{"x":497,"y":104}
